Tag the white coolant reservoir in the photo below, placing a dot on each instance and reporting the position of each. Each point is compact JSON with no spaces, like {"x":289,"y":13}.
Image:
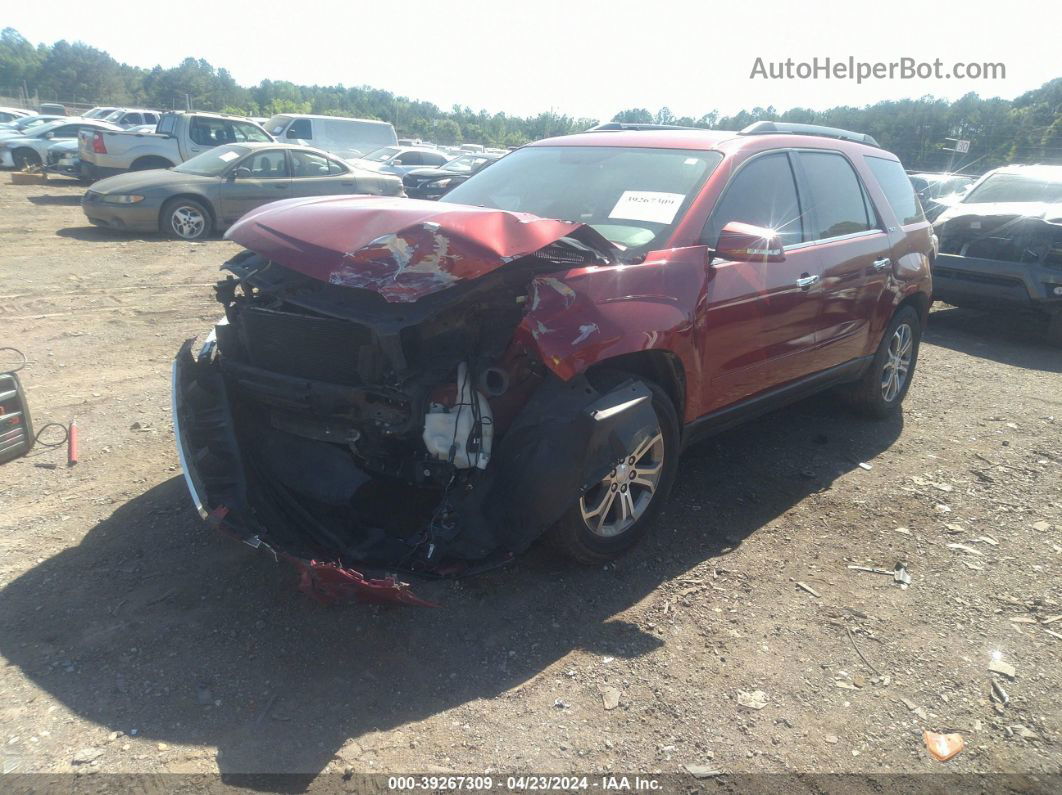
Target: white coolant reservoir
{"x":447,"y":427}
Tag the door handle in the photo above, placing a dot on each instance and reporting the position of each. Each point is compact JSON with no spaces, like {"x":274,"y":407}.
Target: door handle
{"x":882,"y":264}
{"x":805,"y":281}
{"x":279,"y":185}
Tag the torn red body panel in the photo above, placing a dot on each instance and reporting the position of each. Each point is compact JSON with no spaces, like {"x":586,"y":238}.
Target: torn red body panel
{"x":588,"y":315}
{"x":402,"y":249}
{"x":329,"y":583}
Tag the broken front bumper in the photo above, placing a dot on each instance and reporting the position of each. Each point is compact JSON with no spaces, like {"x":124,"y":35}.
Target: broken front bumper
{"x":204,"y":433}
{"x":959,"y":280}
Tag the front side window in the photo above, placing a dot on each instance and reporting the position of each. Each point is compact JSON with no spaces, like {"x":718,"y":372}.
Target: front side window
{"x":762,"y":194}
{"x":898,"y":190}
{"x":633,"y":196}
{"x":432,"y":159}
{"x":270,"y":164}
{"x":132,"y":118}
{"x":243,"y":131}
{"x":836,"y":201}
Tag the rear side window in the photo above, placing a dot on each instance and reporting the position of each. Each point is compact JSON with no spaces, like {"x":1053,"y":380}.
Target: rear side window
{"x":898,"y":190}
{"x":837,"y":203}
{"x":763,"y":194}
{"x":300,"y":128}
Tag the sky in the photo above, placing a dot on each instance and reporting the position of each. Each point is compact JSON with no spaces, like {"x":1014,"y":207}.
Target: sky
{"x":586,"y":59}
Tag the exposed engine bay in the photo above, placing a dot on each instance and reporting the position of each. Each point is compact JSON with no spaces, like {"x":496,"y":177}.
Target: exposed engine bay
{"x":340,"y":426}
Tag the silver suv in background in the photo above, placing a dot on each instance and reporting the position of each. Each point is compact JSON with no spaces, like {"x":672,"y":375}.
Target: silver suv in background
{"x":344,"y":137}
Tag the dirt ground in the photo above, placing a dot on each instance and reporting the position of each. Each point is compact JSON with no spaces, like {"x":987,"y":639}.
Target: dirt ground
{"x":735,"y":638}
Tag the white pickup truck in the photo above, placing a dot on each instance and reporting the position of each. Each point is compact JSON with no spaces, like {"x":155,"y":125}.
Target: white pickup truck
{"x":178,"y":137}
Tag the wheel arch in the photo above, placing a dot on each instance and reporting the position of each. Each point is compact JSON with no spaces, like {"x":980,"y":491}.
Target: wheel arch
{"x":663,"y":368}
{"x":138,"y":164}
{"x":196,"y":197}
{"x":920,"y":302}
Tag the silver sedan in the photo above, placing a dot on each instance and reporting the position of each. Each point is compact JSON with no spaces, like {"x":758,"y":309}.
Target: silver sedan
{"x":213,"y":190}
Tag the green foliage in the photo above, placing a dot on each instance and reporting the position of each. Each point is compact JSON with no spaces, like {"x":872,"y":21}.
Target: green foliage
{"x":1026,"y":129}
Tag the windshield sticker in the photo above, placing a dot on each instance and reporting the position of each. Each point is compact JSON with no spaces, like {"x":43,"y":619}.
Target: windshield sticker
{"x":227,"y":156}
{"x":647,"y":205}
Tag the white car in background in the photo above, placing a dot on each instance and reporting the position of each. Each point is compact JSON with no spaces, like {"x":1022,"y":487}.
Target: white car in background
{"x":32,"y":149}
{"x":344,"y":137}
{"x":13,"y":114}
{"x":25,"y":124}
{"x":400,"y":160}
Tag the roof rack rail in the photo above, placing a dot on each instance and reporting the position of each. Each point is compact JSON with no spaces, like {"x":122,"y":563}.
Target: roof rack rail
{"x":769,"y":127}
{"x":613,"y":126}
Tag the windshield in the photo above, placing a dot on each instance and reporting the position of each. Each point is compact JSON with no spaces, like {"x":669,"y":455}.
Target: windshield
{"x":632,"y":196}
{"x":41,"y":130}
{"x":276,"y":124}
{"x":213,"y":162}
{"x":32,"y":121}
{"x":464,"y":163}
{"x":1015,"y":188}
{"x":381,"y":155}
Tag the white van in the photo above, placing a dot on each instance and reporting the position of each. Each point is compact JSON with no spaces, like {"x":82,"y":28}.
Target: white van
{"x":343,"y":137}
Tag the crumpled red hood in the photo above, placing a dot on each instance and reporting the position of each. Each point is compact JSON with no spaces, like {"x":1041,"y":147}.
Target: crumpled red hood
{"x":403,"y":249}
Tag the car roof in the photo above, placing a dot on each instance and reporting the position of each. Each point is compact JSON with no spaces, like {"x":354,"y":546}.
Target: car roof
{"x":23,"y":111}
{"x":727,"y":141}
{"x":1049,"y":173}
{"x":324,"y":116}
{"x":278,"y":145}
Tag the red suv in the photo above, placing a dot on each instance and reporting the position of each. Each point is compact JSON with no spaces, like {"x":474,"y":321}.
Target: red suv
{"x":403,"y":385}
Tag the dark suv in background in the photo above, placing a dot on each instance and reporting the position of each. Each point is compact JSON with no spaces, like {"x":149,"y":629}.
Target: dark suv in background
{"x":431,"y":386}
{"x":1001,"y":246}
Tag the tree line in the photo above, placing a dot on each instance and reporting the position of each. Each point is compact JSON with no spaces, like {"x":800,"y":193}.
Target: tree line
{"x":921,"y":131}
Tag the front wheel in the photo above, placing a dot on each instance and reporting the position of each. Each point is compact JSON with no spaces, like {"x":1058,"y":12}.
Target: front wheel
{"x":185,"y":219}
{"x":883,"y":387}
{"x":614,"y":514}
{"x":25,"y":158}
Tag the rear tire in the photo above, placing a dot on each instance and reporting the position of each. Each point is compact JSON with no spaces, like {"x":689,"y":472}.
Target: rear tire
{"x":614,"y":515}
{"x":883,"y":387}
{"x":185,"y":219}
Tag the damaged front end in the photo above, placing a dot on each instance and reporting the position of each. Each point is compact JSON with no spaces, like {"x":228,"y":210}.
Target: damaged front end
{"x":995,"y":254}
{"x":385,"y":408}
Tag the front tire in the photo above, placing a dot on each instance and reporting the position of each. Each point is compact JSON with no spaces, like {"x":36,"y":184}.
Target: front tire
{"x":24,"y":158}
{"x":614,"y":514}
{"x":883,"y":387}
{"x":185,"y":219}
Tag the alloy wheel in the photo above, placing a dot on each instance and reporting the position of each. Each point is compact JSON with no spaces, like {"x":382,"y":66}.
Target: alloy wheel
{"x":614,"y":505}
{"x":897,"y":362}
{"x":188,"y":222}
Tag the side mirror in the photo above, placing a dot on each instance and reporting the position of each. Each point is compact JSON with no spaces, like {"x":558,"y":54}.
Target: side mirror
{"x":242,"y":173}
{"x":747,"y":243}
